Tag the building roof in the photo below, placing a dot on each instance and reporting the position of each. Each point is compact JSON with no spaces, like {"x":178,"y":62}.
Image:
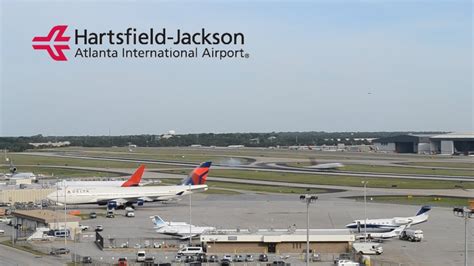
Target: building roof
{"x":465,"y":135}
{"x":423,"y":138}
{"x":45,"y":216}
{"x":279,"y":235}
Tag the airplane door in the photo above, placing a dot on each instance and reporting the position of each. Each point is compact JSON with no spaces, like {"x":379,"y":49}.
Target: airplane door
{"x":271,"y":247}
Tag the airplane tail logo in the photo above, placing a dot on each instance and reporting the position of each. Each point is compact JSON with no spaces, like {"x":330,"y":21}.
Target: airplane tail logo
{"x":198,"y":176}
{"x":423,"y":210}
{"x":55,"y":46}
{"x":135,"y":179}
{"x":158,"y":221}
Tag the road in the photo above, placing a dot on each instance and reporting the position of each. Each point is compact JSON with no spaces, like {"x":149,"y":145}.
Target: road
{"x":13,"y":256}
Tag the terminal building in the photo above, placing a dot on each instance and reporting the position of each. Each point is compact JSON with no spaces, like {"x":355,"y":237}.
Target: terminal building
{"x":446,"y":144}
{"x":278,"y":241}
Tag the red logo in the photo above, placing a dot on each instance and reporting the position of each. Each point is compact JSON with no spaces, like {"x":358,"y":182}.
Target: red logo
{"x":51,"y":45}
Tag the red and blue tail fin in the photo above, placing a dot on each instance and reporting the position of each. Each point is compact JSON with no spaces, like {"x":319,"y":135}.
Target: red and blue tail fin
{"x":198,"y":176}
{"x":135,"y":179}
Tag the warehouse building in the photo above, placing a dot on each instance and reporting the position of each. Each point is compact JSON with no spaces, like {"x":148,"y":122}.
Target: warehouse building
{"x":447,"y":144}
{"x":278,"y":241}
{"x":27,"y":221}
{"x":13,"y":194}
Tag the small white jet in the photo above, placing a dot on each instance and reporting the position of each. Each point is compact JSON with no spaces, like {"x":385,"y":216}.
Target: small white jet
{"x":384,"y":235}
{"x":133,"y":181}
{"x":180,"y":229}
{"x":389,"y":224}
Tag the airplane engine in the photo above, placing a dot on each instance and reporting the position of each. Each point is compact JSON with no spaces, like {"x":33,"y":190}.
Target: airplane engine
{"x":112,"y":204}
{"x":140,"y":202}
{"x":12,"y":170}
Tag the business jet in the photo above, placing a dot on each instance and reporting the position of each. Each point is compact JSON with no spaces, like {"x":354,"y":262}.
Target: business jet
{"x":114,"y":197}
{"x":133,"y":181}
{"x":389,"y":224}
{"x":179,"y":229}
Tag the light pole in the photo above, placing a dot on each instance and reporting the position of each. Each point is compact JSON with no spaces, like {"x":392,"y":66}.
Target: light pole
{"x":465,"y":213}
{"x":65,"y":218}
{"x":308,"y":199}
{"x":190,"y":216}
{"x":365,"y":182}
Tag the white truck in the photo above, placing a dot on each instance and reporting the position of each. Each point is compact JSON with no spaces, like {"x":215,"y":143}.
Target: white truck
{"x":347,"y":263}
{"x":411,"y":235}
{"x":368,"y":248}
{"x":129,"y":212}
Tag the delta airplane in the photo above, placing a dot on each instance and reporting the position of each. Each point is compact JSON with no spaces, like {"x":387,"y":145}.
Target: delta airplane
{"x":179,"y":229}
{"x":133,"y":181}
{"x":389,"y":224}
{"x":127,"y":196}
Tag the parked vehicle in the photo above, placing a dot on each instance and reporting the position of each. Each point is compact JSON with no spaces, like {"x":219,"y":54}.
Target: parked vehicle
{"x":149,"y":261}
{"x":368,"y":248}
{"x":347,"y":263}
{"x":411,"y":235}
{"x":59,"y":251}
{"x":92,"y":215}
{"x":99,"y":228}
{"x":249,"y":258}
{"x":201,"y":258}
{"x":129,"y":212}
{"x":141,"y":255}
{"x":2,"y":232}
{"x":110,"y":214}
{"x":213,"y":258}
{"x":279,"y":262}
{"x":84,"y":227}
{"x":190,"y":251}
{"x":122,"y":262}
{"x":178,"y":258}
{"x":189,"y":258}
{"x":263,"y":258}
{"x":227,"y":257}
{"x":238,"y":258}
{"x":86,"y":260}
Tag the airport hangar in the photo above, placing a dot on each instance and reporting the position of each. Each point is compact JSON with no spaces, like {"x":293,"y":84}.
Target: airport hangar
{"x":322,"y":241}
{"x":446,"y":144}
{"x":29,"y":220}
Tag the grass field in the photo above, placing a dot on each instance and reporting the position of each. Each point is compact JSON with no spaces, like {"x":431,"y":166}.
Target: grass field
{"x":22,"y":159}
{"x":418,"y":200}
{"x":61,"y":172}
{"x":335,"y":180}
{"x":227,"y":186}
{"x":396,"y":170}
{"x":443,"y":164}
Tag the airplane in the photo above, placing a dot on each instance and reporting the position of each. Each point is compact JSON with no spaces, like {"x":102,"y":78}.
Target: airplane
{"x":323,"y":166}
{"x":326,"y":166}
{"x":179,"y":229}
{"x":133,"y":181}
{"x":14,"y":174}
{"x":389,"y":224}
{"x":114,"y":197}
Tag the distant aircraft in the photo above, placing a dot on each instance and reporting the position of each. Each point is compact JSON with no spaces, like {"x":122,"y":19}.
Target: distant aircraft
{"x":324,"y":166}
{"x":14,"y":172}
{"x":179,"y":229}
{"x":127,"y":196}
{"x":389,"y":224}
{"x":133,"y":181}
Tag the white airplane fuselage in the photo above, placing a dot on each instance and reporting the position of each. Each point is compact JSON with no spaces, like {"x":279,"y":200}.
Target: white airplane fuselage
{"x":90,"y":195}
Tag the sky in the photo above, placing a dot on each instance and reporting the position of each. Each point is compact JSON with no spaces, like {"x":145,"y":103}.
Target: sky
{"x":313,"y":66}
